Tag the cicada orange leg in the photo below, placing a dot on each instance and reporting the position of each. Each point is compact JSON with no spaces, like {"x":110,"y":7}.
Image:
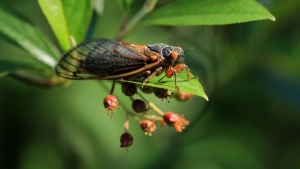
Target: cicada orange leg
{"x":170,"y":71}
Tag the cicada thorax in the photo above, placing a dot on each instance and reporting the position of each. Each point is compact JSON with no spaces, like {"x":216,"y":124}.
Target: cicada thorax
{"x":148,"y":54}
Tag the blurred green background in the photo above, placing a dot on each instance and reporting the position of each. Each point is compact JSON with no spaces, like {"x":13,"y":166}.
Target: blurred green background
{"x":249,"y":71}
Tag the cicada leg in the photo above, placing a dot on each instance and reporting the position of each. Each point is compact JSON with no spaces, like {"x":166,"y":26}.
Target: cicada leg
{"x":156,"y":72}
{"x":170,"y":71}
{"x":187,"y":72}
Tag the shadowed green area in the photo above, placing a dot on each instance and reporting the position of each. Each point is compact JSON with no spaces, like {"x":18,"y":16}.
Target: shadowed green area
{"x":250,"y":73}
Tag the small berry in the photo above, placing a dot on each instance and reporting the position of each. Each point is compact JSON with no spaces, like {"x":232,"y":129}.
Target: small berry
{"x":178,"y":122}
{"x":148,"y":126}
{"x":163,"y":93}
{"x":126,"y":140}
{"x":183,"y":96}
{"x":139,"y":106}
{"x":129,"y":89}
{"x":147,"y":90}
{"x":110,"y":103}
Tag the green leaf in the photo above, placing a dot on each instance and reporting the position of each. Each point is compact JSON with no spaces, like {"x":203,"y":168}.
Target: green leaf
{"x":29,"y":38}
{"x":208,"y":12}
{"x":78,"y":15}
{"x":6,"y":66}
{"x":53,"y":10}
{"x":192,"y":86}
{"x":68,"y":18}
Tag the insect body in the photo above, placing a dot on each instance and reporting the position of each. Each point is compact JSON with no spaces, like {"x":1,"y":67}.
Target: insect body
{"x":108,"y":59}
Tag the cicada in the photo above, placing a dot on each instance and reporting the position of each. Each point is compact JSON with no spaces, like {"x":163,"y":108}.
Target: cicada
{"x":109,"y":59}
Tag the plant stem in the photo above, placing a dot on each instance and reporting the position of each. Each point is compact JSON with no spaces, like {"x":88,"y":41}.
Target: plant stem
{"x":112,"y":88}
{"x":133,"y":23}
{"x":37,"y":80}
{"x":126,"y":123}
{"x":122,"y":28}
{"x":148,"y":117}
{"x":156,"y":109}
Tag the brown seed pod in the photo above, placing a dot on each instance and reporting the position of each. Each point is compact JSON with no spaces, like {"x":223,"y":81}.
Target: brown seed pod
{"x":139,"y":106}
{"x":129,"y":89}
{"x":183,"y":96}
{"x":147,"y":90}
{"x":126,"y":140}
{"x":162,"y":93}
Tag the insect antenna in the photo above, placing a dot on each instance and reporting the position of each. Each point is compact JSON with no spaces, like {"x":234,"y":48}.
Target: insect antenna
{"x":189,"y":49}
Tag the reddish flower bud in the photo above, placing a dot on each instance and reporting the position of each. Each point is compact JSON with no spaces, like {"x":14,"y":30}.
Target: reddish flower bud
{"x":139,"y":106}
{"x":126,"y":140}
{"x":178,"y":122}
{"x":110,"y":103}
{"x":183,"y":96}
{"x":170,"y":118}
{"x":163,"y":93}
{"x":148,"y":127}
{"x":129,"y":89}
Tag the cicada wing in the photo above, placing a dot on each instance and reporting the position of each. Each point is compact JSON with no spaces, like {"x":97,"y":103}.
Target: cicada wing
{"x":99,"y":59}
{"x":70,"y":64}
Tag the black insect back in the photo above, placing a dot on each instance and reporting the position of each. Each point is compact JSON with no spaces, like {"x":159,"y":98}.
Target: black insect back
{"x":166,"y":50}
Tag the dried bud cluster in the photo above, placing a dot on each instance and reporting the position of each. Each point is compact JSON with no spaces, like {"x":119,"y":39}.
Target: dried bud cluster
{"x":110,"y":103}
{"x":178,"y":122}
{"x":148,"y":127}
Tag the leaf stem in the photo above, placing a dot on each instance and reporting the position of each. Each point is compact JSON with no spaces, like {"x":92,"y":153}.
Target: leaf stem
{"x":126,"y":123}
{"x":156,"y":109}
{"x":133,"y":23}
{"x":37,"y":80}
{"x":112,"y":88}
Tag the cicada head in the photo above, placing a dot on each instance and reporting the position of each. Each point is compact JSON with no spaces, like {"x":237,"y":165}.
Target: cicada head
{"x":173,"y":55}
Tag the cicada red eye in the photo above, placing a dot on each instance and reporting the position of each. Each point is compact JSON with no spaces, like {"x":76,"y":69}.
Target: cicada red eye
{"x":174,"y":55}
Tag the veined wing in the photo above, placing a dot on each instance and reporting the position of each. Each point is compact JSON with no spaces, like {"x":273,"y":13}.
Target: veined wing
{"x":103,"y":59}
